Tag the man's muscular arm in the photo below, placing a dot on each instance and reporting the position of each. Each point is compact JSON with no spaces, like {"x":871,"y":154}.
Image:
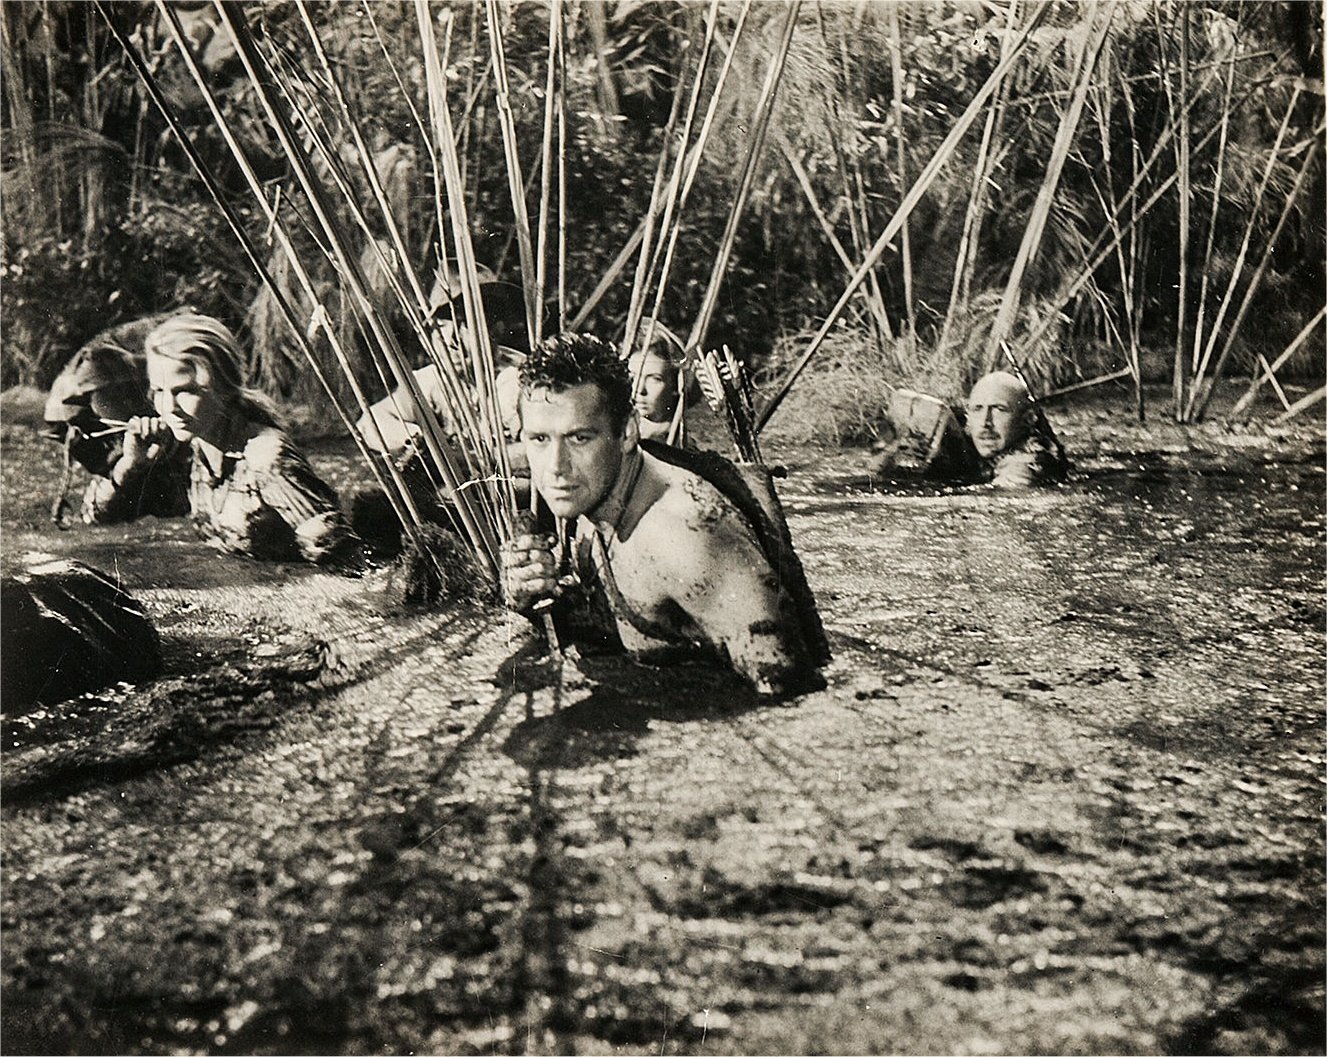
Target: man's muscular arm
{"x":729,"y":591}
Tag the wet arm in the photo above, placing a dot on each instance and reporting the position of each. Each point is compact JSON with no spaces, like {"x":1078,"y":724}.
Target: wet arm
{"x":730,"y":593}
{"x":308,"y":506}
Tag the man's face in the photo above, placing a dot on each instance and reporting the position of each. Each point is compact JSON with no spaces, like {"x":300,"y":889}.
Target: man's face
{"x":450,"y":341}
{"x":654,"y":387}
{"x":575,"y":453}
{"x":184,"y":399}
{"x":998,"y":417}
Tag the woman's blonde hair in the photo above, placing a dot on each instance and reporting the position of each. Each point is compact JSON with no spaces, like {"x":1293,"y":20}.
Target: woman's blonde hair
{"x":202,"y":340}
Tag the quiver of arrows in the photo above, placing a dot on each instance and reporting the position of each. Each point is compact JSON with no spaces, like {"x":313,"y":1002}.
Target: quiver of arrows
{"x":727,"y":386}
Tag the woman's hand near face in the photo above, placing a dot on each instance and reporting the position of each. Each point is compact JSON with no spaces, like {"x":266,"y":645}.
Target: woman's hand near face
{"x":146,"y":438}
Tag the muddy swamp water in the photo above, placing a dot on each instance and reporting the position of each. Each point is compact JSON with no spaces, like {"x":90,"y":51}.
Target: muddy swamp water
{"x":1063,"y":792}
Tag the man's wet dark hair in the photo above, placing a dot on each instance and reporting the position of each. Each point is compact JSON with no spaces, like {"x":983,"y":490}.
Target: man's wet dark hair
{"x":568,"y":360}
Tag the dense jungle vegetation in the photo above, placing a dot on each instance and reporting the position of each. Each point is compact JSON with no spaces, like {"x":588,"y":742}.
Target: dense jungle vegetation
{"x":1212,"y":111}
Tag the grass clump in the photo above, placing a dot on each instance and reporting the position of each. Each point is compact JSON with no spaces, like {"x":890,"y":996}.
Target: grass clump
{"x":841,"y":397}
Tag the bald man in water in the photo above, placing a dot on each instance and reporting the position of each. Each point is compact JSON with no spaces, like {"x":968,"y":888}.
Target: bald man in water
{"x":1012,"y":439}
{"x":661,"y":552}
{"x":1000,"y":437}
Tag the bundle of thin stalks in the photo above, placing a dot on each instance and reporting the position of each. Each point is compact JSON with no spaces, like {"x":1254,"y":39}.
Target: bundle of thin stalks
{"x":1104,"y":245}
{"x":481,"y":523}
{"x":1086,"y":62}
{"x":404,"y":507}
{"x":1183,"y":167}
{"x":677,"y":192}
{"x":468,"y":467}
{"x":965,"y":263}
{"x":1203,"y":385}
{"x":854,"y":193}
{"x":760,"y":125}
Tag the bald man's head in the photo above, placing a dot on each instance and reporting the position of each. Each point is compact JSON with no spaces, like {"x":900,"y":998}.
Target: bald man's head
{"x":999,"y":413}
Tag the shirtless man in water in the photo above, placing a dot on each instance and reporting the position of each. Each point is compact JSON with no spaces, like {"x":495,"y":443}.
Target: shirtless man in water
{"x":670,"y":557}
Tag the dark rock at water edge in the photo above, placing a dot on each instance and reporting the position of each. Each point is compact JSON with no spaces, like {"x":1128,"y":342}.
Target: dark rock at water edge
{"x":67,"y":628}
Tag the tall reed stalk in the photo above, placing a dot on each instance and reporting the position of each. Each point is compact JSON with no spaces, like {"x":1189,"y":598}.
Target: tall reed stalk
{"x":1205,"y":281}
{"x":1185,"y":198}
{"x":923,"y":182}
{"x":896,"y":76}
{"x":474,"y":472}
{"x":546,"y":161}
{"x":1084,"y":65}
{"x":515,"y":182}
{"x":755,"y":146}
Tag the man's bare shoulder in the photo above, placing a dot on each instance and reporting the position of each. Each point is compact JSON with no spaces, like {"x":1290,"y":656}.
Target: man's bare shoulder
{"x":688,"y":510}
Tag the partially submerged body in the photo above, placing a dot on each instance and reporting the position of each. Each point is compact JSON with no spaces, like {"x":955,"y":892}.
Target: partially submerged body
{"x":1000,"y":438}
{"x":657,"y":390}
{"x":392,"y":425}
{"x":247,"y":487}
{"x":663,"y":557}
{"x":680,"y":566}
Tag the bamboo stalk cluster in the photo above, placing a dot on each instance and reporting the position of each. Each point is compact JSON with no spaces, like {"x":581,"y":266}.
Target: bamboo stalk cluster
{"x":335,"y":214}
{"x":465,"y":446}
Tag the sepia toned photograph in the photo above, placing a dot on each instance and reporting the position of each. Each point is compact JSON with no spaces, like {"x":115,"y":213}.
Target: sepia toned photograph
{"x":663,"y":527}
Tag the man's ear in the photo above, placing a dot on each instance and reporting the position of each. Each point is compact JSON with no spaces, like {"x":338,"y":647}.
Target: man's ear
{"x":631,"y":433}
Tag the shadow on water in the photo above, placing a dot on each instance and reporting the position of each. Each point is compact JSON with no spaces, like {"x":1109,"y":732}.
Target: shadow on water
{"x":124,"y":732}
{"x":625,"y":698}
{"x":231,"y":680}
{"x":617,"y":700}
